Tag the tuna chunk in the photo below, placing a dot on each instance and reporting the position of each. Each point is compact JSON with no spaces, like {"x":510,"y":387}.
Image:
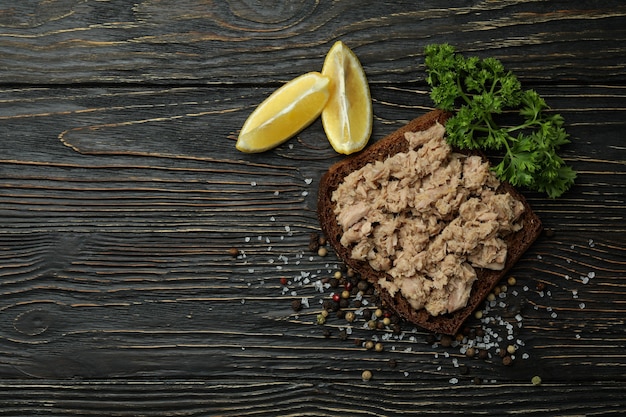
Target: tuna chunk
{"x":427,"y":217}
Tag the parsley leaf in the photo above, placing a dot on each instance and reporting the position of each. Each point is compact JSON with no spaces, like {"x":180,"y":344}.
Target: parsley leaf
{"x":478,"y":91}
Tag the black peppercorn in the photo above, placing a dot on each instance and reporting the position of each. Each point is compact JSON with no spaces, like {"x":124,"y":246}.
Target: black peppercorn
{"x":314,"y":244}
{"x":296,"y":305}
{"x":446,"y":341}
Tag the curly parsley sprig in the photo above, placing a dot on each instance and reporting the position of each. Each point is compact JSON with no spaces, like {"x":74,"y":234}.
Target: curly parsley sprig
{"x":477,"y":91}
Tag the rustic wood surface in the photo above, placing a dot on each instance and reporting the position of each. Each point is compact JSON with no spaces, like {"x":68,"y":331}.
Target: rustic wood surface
{"x":121,"y":194}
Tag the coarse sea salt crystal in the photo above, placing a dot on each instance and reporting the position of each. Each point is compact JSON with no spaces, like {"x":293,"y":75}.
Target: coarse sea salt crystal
{"x":308,"y":180}
{"x":454,"y":380}
{"x":591,"y":274}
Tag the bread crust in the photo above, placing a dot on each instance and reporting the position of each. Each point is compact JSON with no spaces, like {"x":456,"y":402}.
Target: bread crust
{"x":449,"y":323}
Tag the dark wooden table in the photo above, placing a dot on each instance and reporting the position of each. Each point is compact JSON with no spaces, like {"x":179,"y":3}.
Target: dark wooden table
{"x":121,"y":195}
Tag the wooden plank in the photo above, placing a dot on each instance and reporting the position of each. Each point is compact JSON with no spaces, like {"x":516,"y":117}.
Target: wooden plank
{"x":69,"y":41}
{"x":312,"y":397}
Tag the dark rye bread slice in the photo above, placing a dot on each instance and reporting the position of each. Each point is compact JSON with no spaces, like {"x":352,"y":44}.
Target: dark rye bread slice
{"x":449,"y":323}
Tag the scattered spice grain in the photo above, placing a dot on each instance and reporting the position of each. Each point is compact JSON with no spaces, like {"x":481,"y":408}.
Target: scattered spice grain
{"x":366,"y":375}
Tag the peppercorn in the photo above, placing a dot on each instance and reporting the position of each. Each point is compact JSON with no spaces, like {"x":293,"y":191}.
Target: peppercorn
{"x":322,"y":252}
{"x":478,"y":314}
{"x":378,"y":347}
{"x":324,"y":313}
{"x":369,"y":345}
{"x":336,"y":297}
{"x":536,"y":380}
{"x":540,"y":286}
{"x":344,"y":303}
{"x":357,"y":341}
{"x":483,"y":354}
{"x":396,"y":329}
{"x":392,"y":363}
{"x":446,"y":341}
{"x":334,"y":282}
{"x":366,"y":375}
{"x":283,"y":281}
{"x":326,"y":333}
{"x":511,"y":281}
{"x":371,"y":324}
{"x":386,"y":321}
{"x":343,"y":335}
{"x":314,"y":244}
{"x":470,"y":352}
{"x":337,"y":275}
{"x":296,"y":305}
{"x":350,"y":316}
{"x":350,"y":272}
{"x":380,"y":325}
{"x":321,"y":319}
{"x":322,"y":240}
{"x":491,"y":297}
{"x":345,"y":294}
{"x":507,"y":360}
{"x":362,"y":285}
{"x":357,"y":303}
{"x":503,"y":288}
{"x":511,"y":349}
{"x":367,"y":314}
{"x":378,"y":312}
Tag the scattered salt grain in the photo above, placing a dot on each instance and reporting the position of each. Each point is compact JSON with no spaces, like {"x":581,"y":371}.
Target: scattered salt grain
{"x":581,"y":305}
{"x":454,"y":380}
{"x":308,"y":180}
{"x":253,"y":183}
{"x":591,"y":274}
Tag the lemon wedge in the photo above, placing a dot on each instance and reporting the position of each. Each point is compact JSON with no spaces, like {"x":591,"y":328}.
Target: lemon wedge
{"x":284,"y":113}
{"x":347,"y":118}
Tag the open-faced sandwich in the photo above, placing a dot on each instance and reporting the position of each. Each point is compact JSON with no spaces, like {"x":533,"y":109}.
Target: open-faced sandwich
{"x":432,"y":228}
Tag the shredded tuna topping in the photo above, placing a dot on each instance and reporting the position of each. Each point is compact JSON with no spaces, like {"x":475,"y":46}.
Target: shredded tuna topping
{"x":427,"y":217}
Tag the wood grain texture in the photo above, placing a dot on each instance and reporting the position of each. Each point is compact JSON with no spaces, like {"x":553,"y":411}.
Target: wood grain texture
{"x":121,"y":195}
{"x":239,"y":41}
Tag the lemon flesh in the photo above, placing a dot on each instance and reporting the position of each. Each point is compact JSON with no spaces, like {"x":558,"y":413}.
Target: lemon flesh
{"x":347,"y":118}
{"x":284,"y":113}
